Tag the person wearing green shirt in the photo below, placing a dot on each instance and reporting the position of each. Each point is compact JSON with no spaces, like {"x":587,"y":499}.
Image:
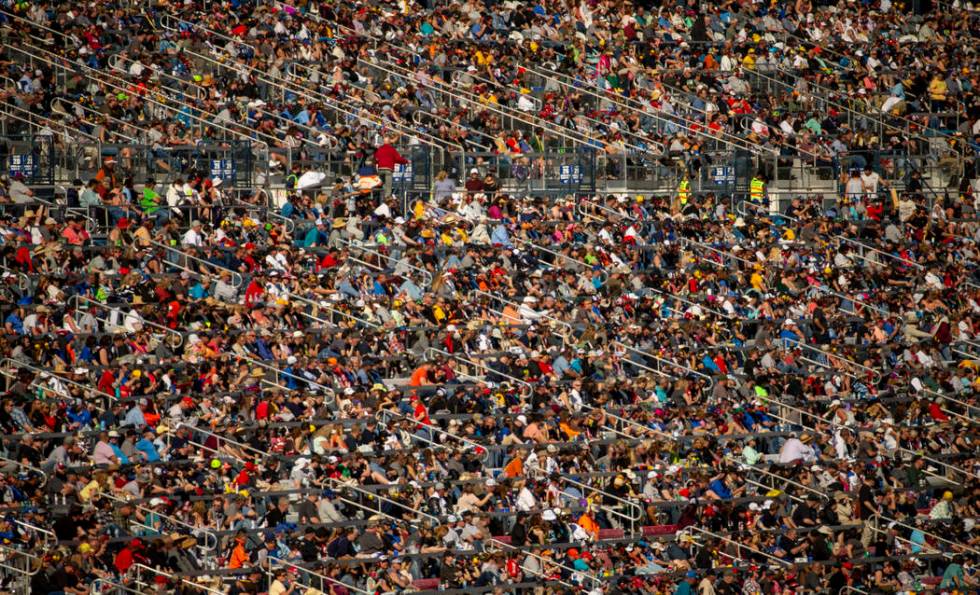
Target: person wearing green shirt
{"x":749,"y":453}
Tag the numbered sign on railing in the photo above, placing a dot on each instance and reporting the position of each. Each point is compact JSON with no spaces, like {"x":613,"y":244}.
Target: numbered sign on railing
{"x":723,"y":174}
{"x":402,"y":172}
{"x":223,"y":169}
{"x":25,"y":165}
{"x":570,"y":174}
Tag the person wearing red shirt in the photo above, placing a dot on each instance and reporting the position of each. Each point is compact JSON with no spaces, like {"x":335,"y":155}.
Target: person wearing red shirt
{"x":386,"y":157}
{"x":421,"y":413}
{"x":253,"y":293}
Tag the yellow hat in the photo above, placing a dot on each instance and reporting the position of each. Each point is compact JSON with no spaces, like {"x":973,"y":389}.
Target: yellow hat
{"x":947,"y":495}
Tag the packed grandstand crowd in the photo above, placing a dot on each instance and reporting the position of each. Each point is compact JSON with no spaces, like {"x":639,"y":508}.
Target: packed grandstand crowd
{"x":320,"y":380}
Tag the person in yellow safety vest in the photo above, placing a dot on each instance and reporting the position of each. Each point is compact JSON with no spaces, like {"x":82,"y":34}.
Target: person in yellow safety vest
{"x":683,"y":191}
{"x":757,"y":190}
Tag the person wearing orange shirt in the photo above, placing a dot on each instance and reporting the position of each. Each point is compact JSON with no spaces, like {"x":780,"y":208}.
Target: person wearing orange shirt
{"x":588,"y":524}
{"x":239,"y":555}
{"x":420,"y":377}
{"x":515,"y":468}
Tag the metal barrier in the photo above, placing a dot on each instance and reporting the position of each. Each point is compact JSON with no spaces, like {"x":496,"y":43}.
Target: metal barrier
{"x":487,"y":370}
{"x":23,"y":281}
{"x":209,"y":549}
{"x":147,"y":585}
{"x":236,"y":277}
{"x":79,"y":299}
{"x":740,"y":546}
{"x":631,"y":519}
{"x":493,"y":297}
{"x":665,"y":362}
{"x":325,"y":581}
{"x":397,"y":263}
{"x":46,"y":373}
{"x":384,"y":415}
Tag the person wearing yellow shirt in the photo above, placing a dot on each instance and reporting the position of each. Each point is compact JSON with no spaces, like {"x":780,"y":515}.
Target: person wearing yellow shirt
{"x":756,"y":280}
{"x":937,"y":92}
{"x":749,"y":60}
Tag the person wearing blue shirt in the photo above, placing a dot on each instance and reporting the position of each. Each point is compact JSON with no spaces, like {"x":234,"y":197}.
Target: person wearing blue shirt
{"x":197,"y":291}
{"x":686,"y":587}
{"x":134,"y":417}
{"x":499,"y":236}
{"x":317,"y":235}
{"x":719,"y":488}
{"x":146,"y":446}
{"x":114,"y":443}
{"x":14,"y":323}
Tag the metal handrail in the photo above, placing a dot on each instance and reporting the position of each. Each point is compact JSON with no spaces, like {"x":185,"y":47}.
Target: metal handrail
{"x":629,"y":422}
{"x":667,"y":362}
{"x":172,"y":577}
{"x":516,"y":305}
{"x":50,"y":539}
{"x":208,"y":547}
{"x":477,"y":364}
{"x":36,"y":54}
{"x":445,"y":88}
{"x":42,"y":472}
{"x":383,"y":414}
{"x":865,"y":247}
{"x":455,"y":76}
{"x":690,"y":303}
{"x":169,"y":331}
{"x":15,"y":364}
{"x":736,"y":543}
{"x":331,"y":102}
{"x":328,"y":308}
{"x":634,"y":506}
{"x":855,"y":300}
{"x":235,"y":275}
{"x":580,"y":207}
{"x":955,"y":544}
{"x":8,"y":552}
{"x":379,"y":498}
{"x":270,"y":560}
{"x":832,"y":356}
{"x":719,"y":251}
{"x":24,"y":281}
{"x":114,"y":587}
{"x":500,"y":545}
{"x":691,"y":127}
{"x":167,"y":18}
{"x":426,"y":275}
{"x":326,"y":389}
{"x":53,"y":125}
{"x":968,"y":407}
{"x":561,"y":255}
{"x":263,"y":455}
{"x":289,"y":223}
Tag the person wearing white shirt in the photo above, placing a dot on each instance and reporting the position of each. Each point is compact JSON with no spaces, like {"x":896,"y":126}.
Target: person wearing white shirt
{"x":796,"y":449}
{"x":526,"y":501}
{"x":193,"y":236}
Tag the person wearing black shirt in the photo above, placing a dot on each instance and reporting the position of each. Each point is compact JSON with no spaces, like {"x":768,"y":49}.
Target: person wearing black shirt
{"x":309,"y":546}
{"x":277,"y":515}
{"x":805,"y":514}
{"x":791,"y":545}
{"x":343,"y":546}
{"x":308,"y":510}
{"x":518,"y":534}
{"x":819,"y":548}
{"x":448,"y":571}
{"x":866,"y":497}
